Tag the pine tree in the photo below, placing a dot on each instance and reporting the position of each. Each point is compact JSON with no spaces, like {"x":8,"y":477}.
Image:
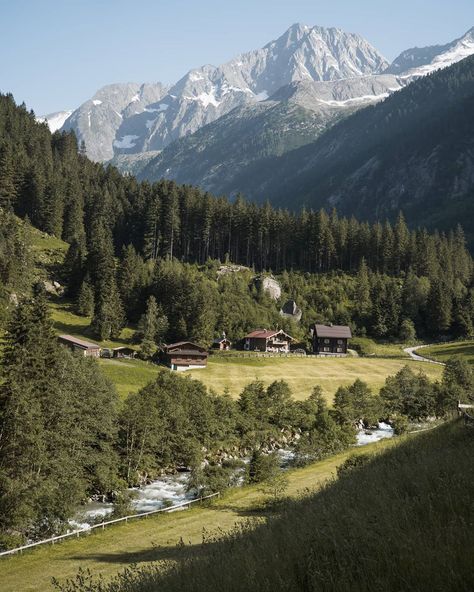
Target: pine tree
{"x":108,"y":319}
{"x":439,"y":308}
{"x":85,"y":299}
{"x":362,"y":294}
{"x":8,"y":189}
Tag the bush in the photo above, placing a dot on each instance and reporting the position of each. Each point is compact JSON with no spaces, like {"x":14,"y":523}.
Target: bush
{"x":263,"y":467}
{"x":399,"y":424}
{"x":352,"y":463}
{"x":123,"y":504}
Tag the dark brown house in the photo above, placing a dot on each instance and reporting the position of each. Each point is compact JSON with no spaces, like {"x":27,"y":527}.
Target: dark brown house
{"x":330,"y":340}
{"x":86,"y":348}
{"x":184,"y":355}
{"x":268,"y":341}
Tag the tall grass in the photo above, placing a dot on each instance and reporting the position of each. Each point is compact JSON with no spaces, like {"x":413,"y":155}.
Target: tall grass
{"x":402,"y":522}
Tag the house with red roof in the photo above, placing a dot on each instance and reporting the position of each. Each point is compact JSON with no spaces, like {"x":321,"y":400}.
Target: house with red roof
{"x":264,"y":340}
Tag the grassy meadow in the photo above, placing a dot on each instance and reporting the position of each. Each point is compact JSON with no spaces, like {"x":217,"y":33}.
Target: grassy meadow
{"x":302,"y":374}
{"x":233,"y":372}
{"x":443,"y":351}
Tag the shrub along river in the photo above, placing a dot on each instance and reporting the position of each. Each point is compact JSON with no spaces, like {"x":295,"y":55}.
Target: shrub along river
{"x":172,"y":489}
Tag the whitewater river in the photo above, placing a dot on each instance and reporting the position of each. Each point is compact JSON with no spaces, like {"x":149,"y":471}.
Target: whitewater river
{"x":171,"y":489}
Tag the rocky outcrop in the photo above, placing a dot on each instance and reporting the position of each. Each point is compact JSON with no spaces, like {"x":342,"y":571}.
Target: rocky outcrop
{"x":269,"y":285}
{"x":290,"y":310}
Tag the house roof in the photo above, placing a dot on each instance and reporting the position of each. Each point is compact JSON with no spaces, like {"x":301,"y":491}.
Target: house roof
{"x":265,"y":334}
{"x":79,"y":342}
{"x":180,"y":346}
{"x":188,"y":352}
{"x":122,"y":348}
{"x":341,"y":331}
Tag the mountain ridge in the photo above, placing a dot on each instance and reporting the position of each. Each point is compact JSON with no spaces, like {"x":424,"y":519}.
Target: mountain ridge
{"x":118,"y":124}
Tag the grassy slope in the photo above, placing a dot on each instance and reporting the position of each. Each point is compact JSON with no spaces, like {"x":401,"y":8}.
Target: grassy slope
{"x":152,"y":539}
{"x":48,"y":252}
{"x":444,"y":351}
{"x":402,"y":522}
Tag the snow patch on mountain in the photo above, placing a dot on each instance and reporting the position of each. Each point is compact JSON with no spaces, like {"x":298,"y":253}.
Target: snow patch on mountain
{"x":126,"y":142}
{"x":55,"y":120}
{"x":417,"y":62}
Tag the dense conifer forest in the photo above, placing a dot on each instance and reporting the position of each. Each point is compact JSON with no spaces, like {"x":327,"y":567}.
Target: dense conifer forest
{"x":129,"y":241}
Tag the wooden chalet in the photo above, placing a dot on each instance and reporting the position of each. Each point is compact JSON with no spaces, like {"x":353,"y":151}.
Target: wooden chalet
{"x":263,"y":340}
{"x":184,"y":355}
{"x":330,"y":340}
{"x":86,"y":348}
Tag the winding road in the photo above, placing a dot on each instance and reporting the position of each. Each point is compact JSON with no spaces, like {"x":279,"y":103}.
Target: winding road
{"x":411,"y":351}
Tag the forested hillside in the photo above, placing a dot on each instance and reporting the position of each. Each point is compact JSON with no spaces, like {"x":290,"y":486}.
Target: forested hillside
{"x":412,"y":152}
{"x":130,"y":241}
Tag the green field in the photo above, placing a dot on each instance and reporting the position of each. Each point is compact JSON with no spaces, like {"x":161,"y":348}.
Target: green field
{"x":129,"y":376}
{"x":153,"y":539}
{"x":234,"y":372}
{"x":443,"y":351}
{"x":302,"y":374}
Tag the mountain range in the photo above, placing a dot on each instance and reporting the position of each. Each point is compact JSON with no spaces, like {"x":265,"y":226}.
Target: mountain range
{"x":280,"y":123}
{"x":134,"y":118}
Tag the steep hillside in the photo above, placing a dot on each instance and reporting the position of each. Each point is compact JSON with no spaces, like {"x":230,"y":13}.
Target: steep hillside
{"x":414,"y":152}
{"x":217,"y":156}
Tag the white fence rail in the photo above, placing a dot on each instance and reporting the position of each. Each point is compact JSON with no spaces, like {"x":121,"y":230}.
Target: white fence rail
{"x":77,"y":533}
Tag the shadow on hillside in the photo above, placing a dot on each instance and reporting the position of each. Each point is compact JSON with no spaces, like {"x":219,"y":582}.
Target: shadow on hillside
{"x":74,"y":329}
{"x":183,"y":550}
{"x":178,"y":553}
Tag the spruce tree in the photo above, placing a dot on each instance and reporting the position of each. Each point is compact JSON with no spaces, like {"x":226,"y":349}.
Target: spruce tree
{"x":85,"y":299}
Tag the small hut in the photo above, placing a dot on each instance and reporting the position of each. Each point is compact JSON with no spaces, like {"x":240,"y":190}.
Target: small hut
{"x":124,"y":352}
{"x":86,"y":348}
{"x":222,"y":343}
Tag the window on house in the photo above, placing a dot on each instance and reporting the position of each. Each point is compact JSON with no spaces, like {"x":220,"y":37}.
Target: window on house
{"x":340,"y":341}
{"x":326,"y":341}
{"x":326,"y":349}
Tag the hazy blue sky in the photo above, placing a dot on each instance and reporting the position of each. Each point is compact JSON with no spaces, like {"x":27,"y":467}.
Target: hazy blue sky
{"x":54,"y":54}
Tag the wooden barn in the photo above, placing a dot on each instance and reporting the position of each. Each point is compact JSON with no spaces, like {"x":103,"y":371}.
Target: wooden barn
{"x":124,"y":352}
{"x":263,"y":340}
{"x":86,"y":348}
{"x":184,"y":355}
{"x":330,"y":340}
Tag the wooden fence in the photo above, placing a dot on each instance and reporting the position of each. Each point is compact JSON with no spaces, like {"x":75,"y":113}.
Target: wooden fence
{"x":254,"y":354}
{"x":465,"y":414}
{"x":102,"y":525}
